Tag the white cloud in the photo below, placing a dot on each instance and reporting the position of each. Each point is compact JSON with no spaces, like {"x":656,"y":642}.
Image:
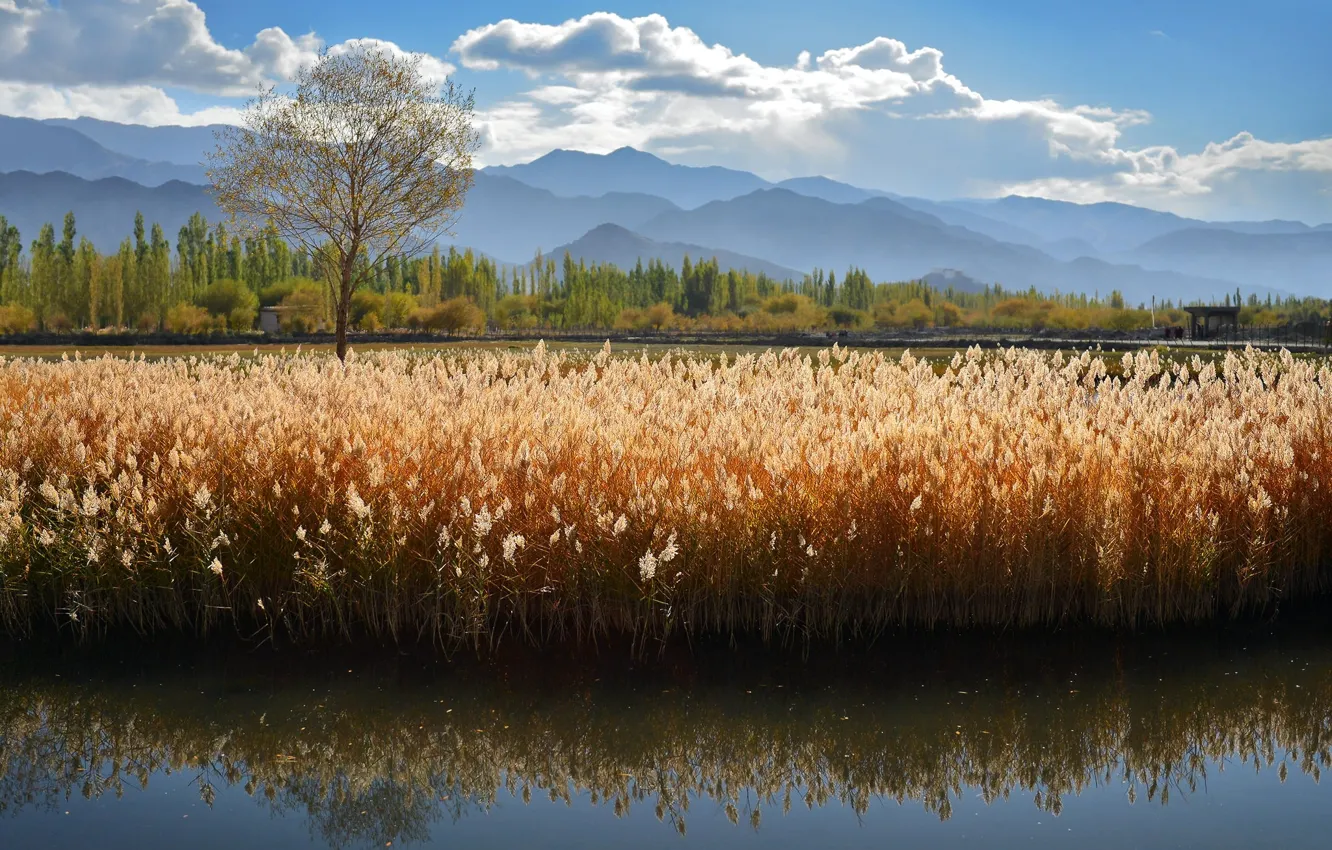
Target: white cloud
{"x":879,"y":111}
{"x":644,"y":83}
{"x":1157,"y":174}
{"x":281,"y":55}
{"x":604,"y":51}
{"x":127,"y":42}
{"x":131,"y":48}
{"x":433,"y":69}
{"x":127,"y":104}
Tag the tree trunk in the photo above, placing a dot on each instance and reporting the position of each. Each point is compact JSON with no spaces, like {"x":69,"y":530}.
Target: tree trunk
{"x":343,"y":308}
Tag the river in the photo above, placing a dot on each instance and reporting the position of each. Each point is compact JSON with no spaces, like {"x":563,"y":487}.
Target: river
{"x":1198,"y":738}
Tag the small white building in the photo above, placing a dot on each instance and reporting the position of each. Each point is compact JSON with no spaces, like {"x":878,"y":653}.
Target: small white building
{"x":270,"y":319}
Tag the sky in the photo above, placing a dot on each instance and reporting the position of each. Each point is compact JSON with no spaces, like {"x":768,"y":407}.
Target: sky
{"x":1216,"y":109}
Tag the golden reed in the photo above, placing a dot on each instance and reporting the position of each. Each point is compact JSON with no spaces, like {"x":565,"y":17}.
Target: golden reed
{"x":452,"y":498}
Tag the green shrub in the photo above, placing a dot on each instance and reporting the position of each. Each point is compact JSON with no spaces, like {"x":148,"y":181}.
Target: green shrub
{"x":231,"y":300}
{"x":16,"y":319}
{"x":188,"y":319}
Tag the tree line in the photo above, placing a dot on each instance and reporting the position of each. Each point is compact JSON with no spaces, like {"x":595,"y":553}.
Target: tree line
{"x":213,"y":279}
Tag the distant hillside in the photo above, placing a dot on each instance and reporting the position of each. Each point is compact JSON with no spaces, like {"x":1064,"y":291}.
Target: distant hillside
{"x":830,"y":190}
{"x":806,"y":222}
{"x":1057,"y":230}
{"x":103,"y":209}
{"x":179,"y":145}
{"x":502,"y":218}
{"x":1300,"y":261}
{"x":892,"y":242}
{"x":991,"y":227}
{"x":1108,"y":227}
{"x":505,"y":218}
{"x":943,"y":279}
{"x":40,"y":147}
{"x":572,"y":173}
{"x":610,"y":243}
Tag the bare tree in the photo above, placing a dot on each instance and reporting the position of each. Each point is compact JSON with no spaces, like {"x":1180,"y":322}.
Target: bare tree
{"x":367,"y":158}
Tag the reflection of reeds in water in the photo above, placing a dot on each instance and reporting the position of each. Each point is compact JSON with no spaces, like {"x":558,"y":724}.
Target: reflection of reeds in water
{"x":457,"y":497}
{"x":389,"y":770}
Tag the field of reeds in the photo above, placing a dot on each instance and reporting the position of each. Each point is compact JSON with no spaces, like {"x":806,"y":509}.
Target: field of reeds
{"x":544,"y":495}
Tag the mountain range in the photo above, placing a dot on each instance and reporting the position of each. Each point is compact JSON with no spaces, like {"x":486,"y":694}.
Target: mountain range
{"x":610,"y":243}
{"x":629,"y":205}
{"x":41,"y":147}
{"x":103,"y":209}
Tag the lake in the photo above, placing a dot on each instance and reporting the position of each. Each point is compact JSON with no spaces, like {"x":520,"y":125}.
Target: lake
{"x":1197,"y":738}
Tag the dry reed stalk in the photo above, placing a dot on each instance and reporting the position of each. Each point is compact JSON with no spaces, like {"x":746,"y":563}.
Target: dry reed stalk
{"x":457,"y":498}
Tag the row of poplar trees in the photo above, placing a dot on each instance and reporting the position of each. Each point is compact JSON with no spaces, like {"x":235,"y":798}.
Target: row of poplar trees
{"x":67,"y":283}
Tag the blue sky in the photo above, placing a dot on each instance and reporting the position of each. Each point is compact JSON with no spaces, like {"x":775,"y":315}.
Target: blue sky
{"x":1214,"y":109}
{"x":1205,"y":70}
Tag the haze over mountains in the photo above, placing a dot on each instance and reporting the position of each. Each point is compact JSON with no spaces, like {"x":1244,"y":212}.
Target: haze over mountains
{"x":611,"y":243}
{"x":45,"y":146}
{"x":630,"y":205}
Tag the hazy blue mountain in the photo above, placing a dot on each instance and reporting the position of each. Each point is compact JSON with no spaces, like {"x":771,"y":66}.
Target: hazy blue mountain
{"x":502,"y":217}
{"x":830,"y":190}
{"x":1070,"y":248}
{"x":557,"y":199}
{"x":509,"y":219}
{"x":1300,"y":262}
{"x":891,"y":241}
{"x":1274,"y":226}
{"x":571,"y":173}
{"x":103,"y":209}
{"x":963,"y":217}
{"x":179,"y":145}
{"x":1040,"y":229}
{"x":610,"y":243}
{"x":39,"y":147}
{"x":893,"y":244}
{"x":943,"y":279}
{"x":1108,"y":227}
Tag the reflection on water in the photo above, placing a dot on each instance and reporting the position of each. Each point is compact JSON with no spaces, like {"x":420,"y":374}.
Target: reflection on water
{"x":370,"y":749}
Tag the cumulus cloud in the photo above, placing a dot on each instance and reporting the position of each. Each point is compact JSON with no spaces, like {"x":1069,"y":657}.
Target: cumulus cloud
{"x":603,"y":81}
{"x":130,"y":42}
{"x":643,"y":82}
{"x":164,"y":43}
{"x":603,"y":50}
{"x":880,"y":113}
{"x":126,"y":104}
{"x":1152,"y":173}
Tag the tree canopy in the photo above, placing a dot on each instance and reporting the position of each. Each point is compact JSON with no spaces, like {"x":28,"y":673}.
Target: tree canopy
{"x":367,"y":159}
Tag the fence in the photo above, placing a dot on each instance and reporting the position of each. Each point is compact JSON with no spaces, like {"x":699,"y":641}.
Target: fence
{"x":1312,"y":334}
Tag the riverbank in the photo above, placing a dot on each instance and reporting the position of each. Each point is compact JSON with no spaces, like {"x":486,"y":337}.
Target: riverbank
{"x":1303,"y":340}
{"x":543,"y":496}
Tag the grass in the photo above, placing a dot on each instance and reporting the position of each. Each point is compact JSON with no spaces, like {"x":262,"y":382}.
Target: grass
{"x":564,"y":494}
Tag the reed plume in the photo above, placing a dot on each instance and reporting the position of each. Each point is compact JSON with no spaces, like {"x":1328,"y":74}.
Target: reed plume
{"x":455,"y":498}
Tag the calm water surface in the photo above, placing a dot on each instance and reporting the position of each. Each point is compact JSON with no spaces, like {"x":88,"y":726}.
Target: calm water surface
{"x":1187,"y":740}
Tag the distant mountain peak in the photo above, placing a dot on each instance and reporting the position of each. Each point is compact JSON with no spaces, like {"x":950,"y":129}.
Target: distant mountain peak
{"x":571,"y":174}
{"x":628,"y":152}
{"x":612,"y":230}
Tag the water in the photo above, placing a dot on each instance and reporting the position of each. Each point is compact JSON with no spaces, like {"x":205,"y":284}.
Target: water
{"x":1182,"y":740}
